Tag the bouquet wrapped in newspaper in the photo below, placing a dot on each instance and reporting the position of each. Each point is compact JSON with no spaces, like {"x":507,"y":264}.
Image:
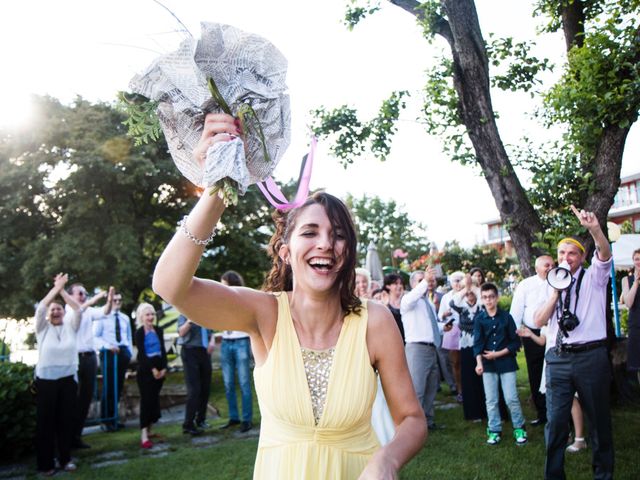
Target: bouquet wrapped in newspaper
{"x":226,"y":70}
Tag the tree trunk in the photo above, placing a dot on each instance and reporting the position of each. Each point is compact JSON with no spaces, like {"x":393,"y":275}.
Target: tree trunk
{"x":608,"y":161}
{"x":573,"y":23}
{"x":471,"y":81}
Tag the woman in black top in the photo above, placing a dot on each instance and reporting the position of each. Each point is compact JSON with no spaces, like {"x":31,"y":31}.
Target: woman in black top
{"x":394,"y":285}
{"x":152,"y":369}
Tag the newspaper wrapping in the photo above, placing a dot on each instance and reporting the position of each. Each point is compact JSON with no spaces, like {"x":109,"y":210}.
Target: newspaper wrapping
{"x":246,"y":69}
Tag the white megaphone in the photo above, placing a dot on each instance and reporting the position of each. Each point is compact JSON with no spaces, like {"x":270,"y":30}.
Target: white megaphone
{"x":560,"y":276}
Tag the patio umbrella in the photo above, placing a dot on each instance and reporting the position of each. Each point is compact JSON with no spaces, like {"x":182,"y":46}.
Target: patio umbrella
{"x":373,"y":264}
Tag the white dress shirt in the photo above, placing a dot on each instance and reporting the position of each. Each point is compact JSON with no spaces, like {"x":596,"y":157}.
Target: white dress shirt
{"x":104,"y":331}
{"x":415,"y":318}
{"x":530,"y":294}
{"x":592,"y":306}
{"x":85,"y":332}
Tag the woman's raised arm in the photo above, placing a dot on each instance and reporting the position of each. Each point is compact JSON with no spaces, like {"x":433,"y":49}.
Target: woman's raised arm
{"x":206,"y":302}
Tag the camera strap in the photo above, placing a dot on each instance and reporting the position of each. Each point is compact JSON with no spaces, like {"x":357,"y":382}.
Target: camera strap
{"x":567,"y":298}
{"x":565,"y":306}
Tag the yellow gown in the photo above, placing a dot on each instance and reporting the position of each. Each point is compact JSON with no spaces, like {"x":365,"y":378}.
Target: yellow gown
{"x":291,"y":445}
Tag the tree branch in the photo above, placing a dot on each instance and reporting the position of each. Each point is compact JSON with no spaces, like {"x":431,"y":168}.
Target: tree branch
{"x":440,"y":26}
{"x":410,"y":6}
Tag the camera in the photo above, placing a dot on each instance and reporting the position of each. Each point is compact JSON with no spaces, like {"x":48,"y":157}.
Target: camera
{"x":568,"y":322}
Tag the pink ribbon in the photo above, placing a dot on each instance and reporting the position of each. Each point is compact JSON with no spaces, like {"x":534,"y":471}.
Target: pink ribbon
{"x":274,"y":195}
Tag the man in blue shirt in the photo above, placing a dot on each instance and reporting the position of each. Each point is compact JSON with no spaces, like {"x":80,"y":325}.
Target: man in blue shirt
{"x":495,"y":344}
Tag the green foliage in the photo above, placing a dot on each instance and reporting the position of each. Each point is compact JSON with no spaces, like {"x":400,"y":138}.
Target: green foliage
{"x":560,"y":177}
{"x":350,"y":135}
{"x":522,"y":68}
{"x":77,"y":196}
{"x":626,"y":227}
{"x":5,"y":351}
{"x":388,"y":226}
{"x":494,"y":264}
{"x":504,"y":302}
{"x":355,"y":13}
{"x":601,"y":82}
{"x":18,"y":412}
{"x":624,"y":321}
{"x":141,"y":118}
{"x":432,"y":15}
{"x":441,"y":113}
{"x":552,"y":9}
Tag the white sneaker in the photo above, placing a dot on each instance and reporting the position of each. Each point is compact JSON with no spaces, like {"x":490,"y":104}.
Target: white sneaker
{"x":576,"y":446}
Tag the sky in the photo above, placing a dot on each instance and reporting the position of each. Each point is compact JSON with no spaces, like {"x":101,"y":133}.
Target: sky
{"x":65,"y":48}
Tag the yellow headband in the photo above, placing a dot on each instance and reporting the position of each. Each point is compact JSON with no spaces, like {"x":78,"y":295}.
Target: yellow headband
{"x":573,"y":241}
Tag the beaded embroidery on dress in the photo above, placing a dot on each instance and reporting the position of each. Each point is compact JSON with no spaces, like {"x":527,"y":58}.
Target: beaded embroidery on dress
{"x":317,"y":367}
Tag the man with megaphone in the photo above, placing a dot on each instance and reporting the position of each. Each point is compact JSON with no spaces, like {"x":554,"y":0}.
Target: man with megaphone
{"x":575,"y":311}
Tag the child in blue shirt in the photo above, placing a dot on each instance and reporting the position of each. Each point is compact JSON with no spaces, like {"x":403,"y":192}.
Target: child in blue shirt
{"x":495,"y":344}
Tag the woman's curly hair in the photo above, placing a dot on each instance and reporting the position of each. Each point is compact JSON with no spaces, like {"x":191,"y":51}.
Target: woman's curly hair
{"x":280,"y":277}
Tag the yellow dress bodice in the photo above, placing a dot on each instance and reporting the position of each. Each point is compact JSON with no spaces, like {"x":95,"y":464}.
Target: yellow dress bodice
{"x":292,"y":445}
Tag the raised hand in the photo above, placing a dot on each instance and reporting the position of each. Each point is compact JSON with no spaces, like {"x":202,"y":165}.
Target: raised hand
{"x":218,"y":127}
{"x":468,"y":281}
{"x":587,"y":219}
{"x":430,"y":272}
{"x":60,"y":281}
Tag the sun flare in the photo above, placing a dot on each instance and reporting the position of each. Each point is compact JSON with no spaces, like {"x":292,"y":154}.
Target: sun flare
{"x":15,"y":110}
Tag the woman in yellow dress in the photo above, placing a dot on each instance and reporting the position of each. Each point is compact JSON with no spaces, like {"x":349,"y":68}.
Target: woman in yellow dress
{"x":316,"y":345}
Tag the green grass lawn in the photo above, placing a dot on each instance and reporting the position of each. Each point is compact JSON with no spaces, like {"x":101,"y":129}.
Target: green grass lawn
{"x":457,"y":452}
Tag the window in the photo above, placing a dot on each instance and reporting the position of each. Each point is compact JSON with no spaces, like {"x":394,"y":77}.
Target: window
{"x":633,"y":194}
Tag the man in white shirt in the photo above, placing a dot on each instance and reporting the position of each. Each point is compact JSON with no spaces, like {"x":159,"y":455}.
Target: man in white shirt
{"x":530,"y":294}
{"x":422,"y":334}
{"x":87,"y":362}
{"x":112,"y":337}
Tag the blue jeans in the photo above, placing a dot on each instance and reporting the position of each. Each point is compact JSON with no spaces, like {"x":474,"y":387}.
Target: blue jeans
{"x":236,"y":355}
{"x":492,"y":382}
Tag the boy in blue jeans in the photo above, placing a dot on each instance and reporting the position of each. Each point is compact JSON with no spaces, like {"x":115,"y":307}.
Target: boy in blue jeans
{"x":495,"y":344}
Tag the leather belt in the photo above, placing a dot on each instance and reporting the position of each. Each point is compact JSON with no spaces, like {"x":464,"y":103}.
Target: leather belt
{"x":86,"y":354}
{"x":583,"y":347}
{"x":428,"y":344}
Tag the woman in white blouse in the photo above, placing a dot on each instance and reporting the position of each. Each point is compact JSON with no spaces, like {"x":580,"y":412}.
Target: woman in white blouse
{"x":56,"y":377}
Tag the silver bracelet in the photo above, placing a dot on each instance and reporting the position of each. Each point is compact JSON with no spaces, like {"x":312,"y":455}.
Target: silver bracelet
{"x":182,"y":225}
